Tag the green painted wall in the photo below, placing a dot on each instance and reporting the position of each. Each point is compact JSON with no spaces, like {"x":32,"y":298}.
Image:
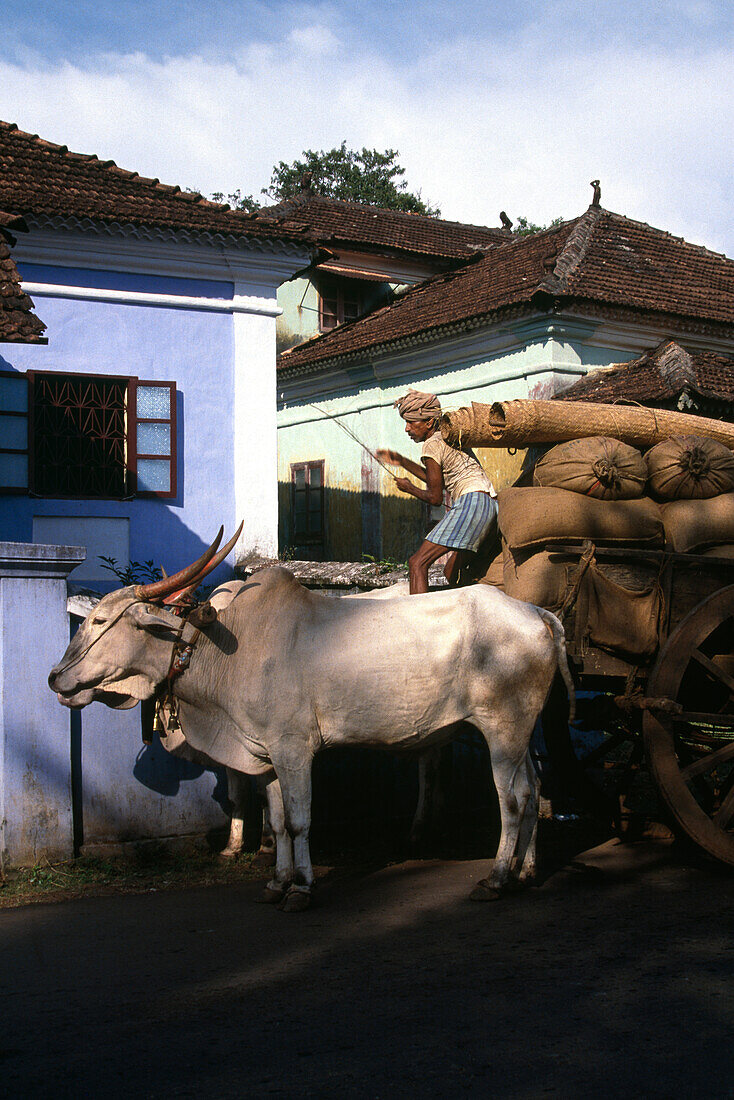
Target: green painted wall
{"x":365,"y":513}
{"x":299,"y":301}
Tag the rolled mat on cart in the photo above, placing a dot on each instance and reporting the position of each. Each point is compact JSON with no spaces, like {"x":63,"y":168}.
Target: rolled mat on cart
{"x":692,"y":525}
{"x":534,"y":516}
{"x":522,"y":422}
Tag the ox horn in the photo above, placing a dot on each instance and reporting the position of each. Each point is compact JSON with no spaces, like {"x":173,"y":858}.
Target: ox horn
{"x":157,"y":589}
{"x":208,"y":568}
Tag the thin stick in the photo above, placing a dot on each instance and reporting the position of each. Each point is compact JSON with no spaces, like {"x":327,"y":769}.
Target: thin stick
{"x":356,"y":439}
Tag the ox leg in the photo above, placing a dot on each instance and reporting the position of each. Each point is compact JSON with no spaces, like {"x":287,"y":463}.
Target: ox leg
{"x":428,"y":765}
{"x":237,"y":790}
{"x":276,"y":889}
{"x":525,"y":864}
{"x":510,"y":772}
{"x":296,"y":785}
{"x":265,"y":855}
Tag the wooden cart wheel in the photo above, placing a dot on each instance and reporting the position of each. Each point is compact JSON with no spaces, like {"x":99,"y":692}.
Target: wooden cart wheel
{"x":691,"y":753}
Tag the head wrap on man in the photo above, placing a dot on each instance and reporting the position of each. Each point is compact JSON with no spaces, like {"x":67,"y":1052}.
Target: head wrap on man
{"x":415,"y":405}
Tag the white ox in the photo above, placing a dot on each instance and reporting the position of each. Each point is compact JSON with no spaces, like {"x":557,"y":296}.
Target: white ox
{"x":284,"y":672}
{"x":238,"y":784}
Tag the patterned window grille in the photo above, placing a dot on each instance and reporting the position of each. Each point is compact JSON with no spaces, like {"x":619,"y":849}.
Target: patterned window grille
{"x":79,"y":436}
{"x":87,"y":436}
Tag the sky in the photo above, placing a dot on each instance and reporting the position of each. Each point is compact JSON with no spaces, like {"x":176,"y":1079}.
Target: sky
{"x":495,"y":105}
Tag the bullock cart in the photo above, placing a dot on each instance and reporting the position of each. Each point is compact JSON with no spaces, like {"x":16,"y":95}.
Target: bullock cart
{"x":644,"y":589}
{"x":673,"y":706}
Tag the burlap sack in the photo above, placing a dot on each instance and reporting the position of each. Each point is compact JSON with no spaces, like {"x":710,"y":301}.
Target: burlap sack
{"x":495,"y":573}
{"x":618,"y":619}
{"x":726,"y":551}
{"x":597,"y":466}
{"x":690,"y":467}
{"x":693,"y":524}
{"x":534,"y":577}
{"x":531,"y":517}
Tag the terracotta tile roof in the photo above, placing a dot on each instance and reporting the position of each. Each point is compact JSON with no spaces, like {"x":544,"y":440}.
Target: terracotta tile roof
{"x":658,"y":376}
{"x":333,"y":221}
{"x":18,"y":323}
{"x":601,"y":260}
{"x":42,"y":179}
{"x":505,"y":276}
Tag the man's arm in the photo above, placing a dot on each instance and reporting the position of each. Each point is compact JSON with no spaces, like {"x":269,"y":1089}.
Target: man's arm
{"x":433,"y":493}
{"x":396,"y":459}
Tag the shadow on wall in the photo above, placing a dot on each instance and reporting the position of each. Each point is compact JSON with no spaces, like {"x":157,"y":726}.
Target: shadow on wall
{"x":354,"y":524}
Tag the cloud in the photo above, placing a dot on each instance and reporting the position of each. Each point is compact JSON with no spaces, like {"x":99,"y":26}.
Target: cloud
{"x":522,"y":128}
{"x":314,"y":39}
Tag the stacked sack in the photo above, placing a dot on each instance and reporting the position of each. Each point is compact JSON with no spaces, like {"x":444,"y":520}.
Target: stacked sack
{"x":693,"y":479}
{"x":593,"y":488}
{"x":584,"y":489}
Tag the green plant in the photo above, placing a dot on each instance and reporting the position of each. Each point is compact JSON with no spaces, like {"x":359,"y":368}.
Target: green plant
{"x":525,"y":227}
{"x":384,"y":565}
{"x":135,"y":572}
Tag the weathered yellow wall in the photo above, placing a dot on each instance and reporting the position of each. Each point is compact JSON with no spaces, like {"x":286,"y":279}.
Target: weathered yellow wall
{"x":501,"y":467}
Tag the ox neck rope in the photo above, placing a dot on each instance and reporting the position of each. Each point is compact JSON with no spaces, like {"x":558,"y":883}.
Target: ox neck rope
{"x":165,"y":701}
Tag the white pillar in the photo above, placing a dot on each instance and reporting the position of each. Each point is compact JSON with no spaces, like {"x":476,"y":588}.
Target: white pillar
{"x":35,"y":764}
{"x":255,"y":429}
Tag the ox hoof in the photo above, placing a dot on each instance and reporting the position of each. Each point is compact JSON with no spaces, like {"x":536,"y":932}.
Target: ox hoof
{"x":263,"y":859}
{"x":484,"y":892}
{"x":295,"y":901}
{"x":272,"y":895}
{"x":229,"y":853}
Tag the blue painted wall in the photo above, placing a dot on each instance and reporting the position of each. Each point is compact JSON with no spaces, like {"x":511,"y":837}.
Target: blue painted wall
{"x":191,"y":347}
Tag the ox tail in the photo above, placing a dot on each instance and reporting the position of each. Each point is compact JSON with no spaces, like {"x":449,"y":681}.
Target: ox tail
{"x":555,"y":626}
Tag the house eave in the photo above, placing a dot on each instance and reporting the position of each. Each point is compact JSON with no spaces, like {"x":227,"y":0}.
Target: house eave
{"x":541,"y":302}
{"x":151,"y":232}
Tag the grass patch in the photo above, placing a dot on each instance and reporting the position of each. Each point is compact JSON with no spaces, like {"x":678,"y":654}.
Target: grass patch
{"x":150,"y":868}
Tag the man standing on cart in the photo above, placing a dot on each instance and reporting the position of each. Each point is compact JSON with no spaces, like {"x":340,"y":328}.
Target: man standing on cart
{"x":473,"y":511}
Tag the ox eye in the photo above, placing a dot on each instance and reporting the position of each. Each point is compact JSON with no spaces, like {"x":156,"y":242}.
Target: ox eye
{"x":98,"y":620}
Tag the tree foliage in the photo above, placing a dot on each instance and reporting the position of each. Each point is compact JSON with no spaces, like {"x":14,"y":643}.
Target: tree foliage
{"x":525,"y":227}
{"x":238,"y":201}
{"x":365,"y":176}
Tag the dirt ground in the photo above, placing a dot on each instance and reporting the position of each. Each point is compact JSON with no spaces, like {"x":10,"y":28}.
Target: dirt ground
{"x":612,"y":979}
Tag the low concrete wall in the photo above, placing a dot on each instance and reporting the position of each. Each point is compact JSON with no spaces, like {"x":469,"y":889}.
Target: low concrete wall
{"x":339,"y":578}
{"x":75,"y":781}
{"x":35,"y":773}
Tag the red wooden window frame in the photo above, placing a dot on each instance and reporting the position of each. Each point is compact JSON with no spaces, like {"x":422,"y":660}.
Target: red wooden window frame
{"x":134,"y":454}
{"x":308,"y":537}
{"x":339,"y":292}
{"x":131,"y":452}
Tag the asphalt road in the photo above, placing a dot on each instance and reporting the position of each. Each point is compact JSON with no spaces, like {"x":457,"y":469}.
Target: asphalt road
{"x":613,"y":982}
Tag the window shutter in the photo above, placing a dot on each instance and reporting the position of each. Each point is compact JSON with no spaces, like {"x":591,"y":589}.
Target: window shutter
{"x":153,"y":458}
{"x":13,"y":432}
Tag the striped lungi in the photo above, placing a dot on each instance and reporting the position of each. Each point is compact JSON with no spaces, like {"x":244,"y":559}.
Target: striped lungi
{"x":467,"y":523}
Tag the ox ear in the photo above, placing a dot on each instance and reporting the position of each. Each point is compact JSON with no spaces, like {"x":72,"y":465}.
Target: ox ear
{"x":149,"y":617}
